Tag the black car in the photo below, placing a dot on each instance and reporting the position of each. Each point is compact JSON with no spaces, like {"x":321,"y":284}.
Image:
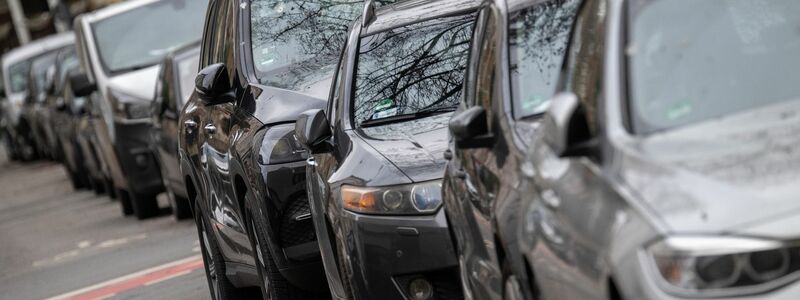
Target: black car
{"x":35,"y":102}
{"x":243,"y":168}
{"x":375,"y":175}
{"x":65,"y":113}
{"x":174,"y":87}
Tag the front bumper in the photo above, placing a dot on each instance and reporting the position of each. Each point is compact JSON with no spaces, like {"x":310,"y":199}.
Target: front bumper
{"x":137,"y":160}
{"x":383,"y":254}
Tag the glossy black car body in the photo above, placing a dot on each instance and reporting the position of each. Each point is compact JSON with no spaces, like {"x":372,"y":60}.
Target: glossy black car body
{"x":242,"y":167}
{"x":65,"y":113}
{"x":492,"y":136}
{"x":174,"y":86}
{"x":399,"y":79}
{"x":34,"y":107}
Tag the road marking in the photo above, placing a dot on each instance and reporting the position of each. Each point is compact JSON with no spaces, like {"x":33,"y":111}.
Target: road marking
{"x":145,"y":277}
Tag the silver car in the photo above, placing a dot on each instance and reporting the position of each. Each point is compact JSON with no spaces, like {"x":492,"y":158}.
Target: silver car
{"x":663,"y":164}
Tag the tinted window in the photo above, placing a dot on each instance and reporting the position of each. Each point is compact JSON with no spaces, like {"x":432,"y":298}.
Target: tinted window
{"x":537,"y":42}
{"x":411,"y":69}
{"x":723,"y":57}
{"x":69,"y":60}
{"x":18,"y":76}
{"x":187,"y":71}
{"x":141,"y":37}
{"x":39,"y":68}
{"x":284,"y":33}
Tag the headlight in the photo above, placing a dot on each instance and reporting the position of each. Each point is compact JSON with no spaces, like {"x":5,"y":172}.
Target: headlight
{"x":724,"y":266}
{"x":409,"y":199}
{"x":280,"y":146}
{"x":129,"y":107}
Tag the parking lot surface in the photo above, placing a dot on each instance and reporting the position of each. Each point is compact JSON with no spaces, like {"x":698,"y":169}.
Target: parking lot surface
{"x":57,"y":243}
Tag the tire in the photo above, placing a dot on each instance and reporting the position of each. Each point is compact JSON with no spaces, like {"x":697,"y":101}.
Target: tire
{"x":77,"y":180}
{"x":219,"y":285}
{"x":98,"y":187}
{"x":125,"y":202}
{"x":112,"y":192}
{"x":144,"y":205}
{"x":273,"y":284}
{"x":180,"y":206}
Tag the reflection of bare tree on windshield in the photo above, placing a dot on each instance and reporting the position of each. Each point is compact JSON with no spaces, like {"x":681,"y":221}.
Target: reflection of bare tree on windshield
{"x":413,"y":68}
{"x":293,"y":40}
{"x":538,"y":37}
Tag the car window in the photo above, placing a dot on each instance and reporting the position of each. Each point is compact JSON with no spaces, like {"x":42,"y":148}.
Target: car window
{"x":724,"y":57}
{"x":537,"y":41}
{"x":18,"y":76}
{"x":126,"y":41}
{"x":285,"y":33}
{"x":187,"y":71}
{"x":39,"y":68}
{"x":486,"y":62}
{"x":411,"y":69}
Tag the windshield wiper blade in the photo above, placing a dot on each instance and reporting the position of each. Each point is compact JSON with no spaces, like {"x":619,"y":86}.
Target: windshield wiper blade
{"x":407,"y":117}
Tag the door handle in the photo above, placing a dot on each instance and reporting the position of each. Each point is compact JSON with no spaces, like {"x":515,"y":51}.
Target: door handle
{"x":210,"y":128}
{"x":190,"y":124}
{"x":311,"y":161}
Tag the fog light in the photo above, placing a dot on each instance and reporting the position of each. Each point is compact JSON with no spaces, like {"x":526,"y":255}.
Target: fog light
{"x":420,"y":289}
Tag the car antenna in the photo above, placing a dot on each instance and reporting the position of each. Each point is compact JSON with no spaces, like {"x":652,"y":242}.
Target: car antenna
{"x":368,"y":16}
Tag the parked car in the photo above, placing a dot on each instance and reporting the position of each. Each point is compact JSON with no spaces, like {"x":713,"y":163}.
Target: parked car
{"x":66,"y":112}
{"x":375,"y":175}
{"x":244,"y":171}
{"x":16,"y":67}
{"x":120,"y":54}
{"x":34,"y":110}
{"x":515,"y":66}
{"x":661,"y":168}
{"x":174,"y":87}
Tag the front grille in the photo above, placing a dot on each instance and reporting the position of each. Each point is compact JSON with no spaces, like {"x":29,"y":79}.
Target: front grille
{"x":296,"y":228}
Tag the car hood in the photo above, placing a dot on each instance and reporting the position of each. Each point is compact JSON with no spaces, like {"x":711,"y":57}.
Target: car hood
{"x":310,"y":77}
{"x":140,"y":83}
{"x":727,"y":175}
{"x":415,"y":147}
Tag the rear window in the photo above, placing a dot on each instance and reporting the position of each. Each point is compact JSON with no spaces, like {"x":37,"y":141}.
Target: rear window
{"x":411,"y":70}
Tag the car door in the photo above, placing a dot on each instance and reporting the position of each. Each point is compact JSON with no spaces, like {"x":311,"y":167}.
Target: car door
{"x":319,"y":168}
{"x":474,"y":180}
{"x":168,"y":135}
{"x":223,"y":206}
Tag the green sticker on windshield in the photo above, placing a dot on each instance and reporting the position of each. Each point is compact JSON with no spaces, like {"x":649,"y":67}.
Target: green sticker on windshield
{"x":384,"y":104}
{"x":679,"y":110}
{"x":384,"y":108}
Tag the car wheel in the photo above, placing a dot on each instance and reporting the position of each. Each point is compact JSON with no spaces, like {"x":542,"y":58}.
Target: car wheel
{"x":180,"y":206}
{"x":112,"y":192}
{"x":98,"y":187}
{"x":218,"y":284}
{"x":125,"y":202}
{"x":144,"y":205}
{"x":76,"y":180}
{"x":273,"y":285}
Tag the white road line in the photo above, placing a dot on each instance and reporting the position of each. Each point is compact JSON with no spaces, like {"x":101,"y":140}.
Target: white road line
{"x":123,"y":278}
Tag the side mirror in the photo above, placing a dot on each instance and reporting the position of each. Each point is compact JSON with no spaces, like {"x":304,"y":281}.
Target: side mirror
{"x":213,"y":85}
{"x":566,"y":129}
{"x":81,"y":86}
{"x":313,"y":130}
{"x":470,"y":130}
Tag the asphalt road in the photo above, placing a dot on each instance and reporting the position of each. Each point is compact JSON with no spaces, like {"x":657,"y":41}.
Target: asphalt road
{"x":57,"y":243}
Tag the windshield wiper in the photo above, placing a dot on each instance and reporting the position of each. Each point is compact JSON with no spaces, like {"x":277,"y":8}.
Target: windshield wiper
{"x":407,"y":117}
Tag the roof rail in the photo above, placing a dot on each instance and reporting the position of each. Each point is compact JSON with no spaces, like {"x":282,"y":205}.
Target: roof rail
{"x":368,"y":16}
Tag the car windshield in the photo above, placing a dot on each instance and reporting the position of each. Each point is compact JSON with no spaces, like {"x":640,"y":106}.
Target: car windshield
{"x":722,"y":57}
{"x":141,"y":37}
{"x":18,"y":76}
{"x":537,"y":41}
{"x":187,"y":72}
{"x":412,"y":71}
{"x":39,"y":68}
{"x":285,"y":33}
